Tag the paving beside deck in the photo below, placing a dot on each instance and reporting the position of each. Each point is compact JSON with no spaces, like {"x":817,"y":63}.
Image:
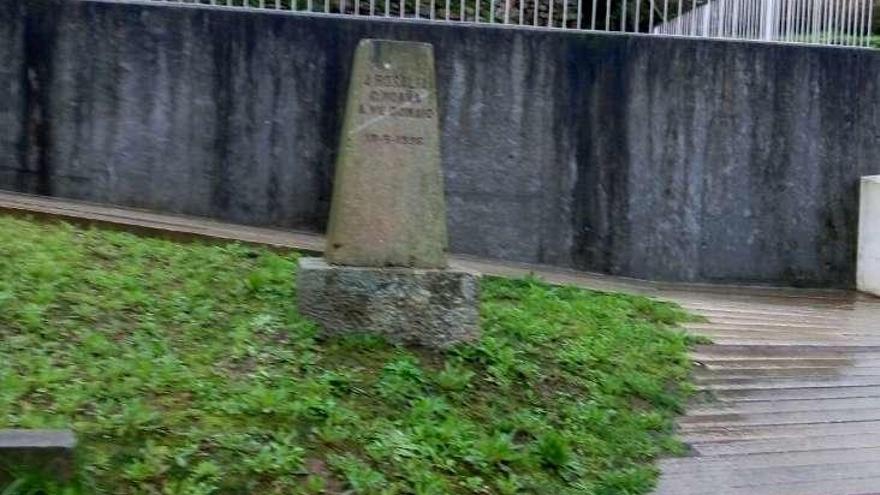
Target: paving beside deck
{"x":789,"y":400}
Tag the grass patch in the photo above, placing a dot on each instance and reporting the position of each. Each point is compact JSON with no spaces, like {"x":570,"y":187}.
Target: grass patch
{"x":185,"y":369}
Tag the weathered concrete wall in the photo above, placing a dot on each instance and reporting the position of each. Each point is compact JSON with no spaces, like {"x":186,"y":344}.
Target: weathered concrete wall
{"x":655,"y":158}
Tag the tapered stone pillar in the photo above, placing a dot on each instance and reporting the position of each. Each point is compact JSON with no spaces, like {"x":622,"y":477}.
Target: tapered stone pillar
{"x":385,"y":266}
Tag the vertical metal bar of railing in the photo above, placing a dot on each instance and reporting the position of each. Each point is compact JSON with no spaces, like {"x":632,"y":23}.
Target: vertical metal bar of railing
{"x":753,"y":19}
{"x":870,"y":30}
{"x":857,"y":25}
{"x":835,"y":21}
{"x":636,"y":16}
{"x":864,"y":38}
{"x":579,"y":3}
{"x":678,"y":23}
{"x":607,"y":15}
{"x":593,"y":15}
{"x":832,"y":6}
{"x":787,"y":18}
{"x":665,"y":12}
{"x":724,"y":19}
{"x":852,"y":22}
{"x":734,"y":19}
{"x":829,"y":9}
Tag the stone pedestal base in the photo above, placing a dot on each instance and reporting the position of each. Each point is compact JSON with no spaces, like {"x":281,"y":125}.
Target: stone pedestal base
{"x":46,"y":453}
{"x":432,"y":308}
{"x":868,"y":264}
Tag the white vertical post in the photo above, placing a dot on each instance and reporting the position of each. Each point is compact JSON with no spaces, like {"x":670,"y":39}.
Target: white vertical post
{"x":868,"y":263}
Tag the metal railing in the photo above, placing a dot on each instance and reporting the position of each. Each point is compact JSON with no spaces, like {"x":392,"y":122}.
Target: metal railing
{"x":829,"y":22}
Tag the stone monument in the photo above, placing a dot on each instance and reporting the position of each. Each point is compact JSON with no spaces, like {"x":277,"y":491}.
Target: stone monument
{"x":385,"y":268}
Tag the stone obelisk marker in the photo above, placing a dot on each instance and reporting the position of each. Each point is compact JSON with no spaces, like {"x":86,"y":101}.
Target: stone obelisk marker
{"x":385,"y":268}
{"x":388,"y":207}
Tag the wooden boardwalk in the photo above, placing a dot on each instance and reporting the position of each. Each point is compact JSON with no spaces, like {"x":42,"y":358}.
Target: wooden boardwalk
{"x":795,"y":397}
{"x":792,"y":378}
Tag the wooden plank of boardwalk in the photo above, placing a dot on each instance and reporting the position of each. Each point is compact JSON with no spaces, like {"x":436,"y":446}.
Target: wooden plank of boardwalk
{"x":793,"y":375}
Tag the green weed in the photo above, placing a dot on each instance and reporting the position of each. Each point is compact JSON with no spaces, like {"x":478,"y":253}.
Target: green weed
{"x":185,"y":369}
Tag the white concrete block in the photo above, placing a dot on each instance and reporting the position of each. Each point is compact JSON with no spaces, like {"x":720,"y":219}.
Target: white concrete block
{"x":868,"y":267}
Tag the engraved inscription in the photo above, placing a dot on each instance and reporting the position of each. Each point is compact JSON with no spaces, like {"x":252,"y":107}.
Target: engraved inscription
{"x":372,"y":137}
{"x":394,"y":94}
